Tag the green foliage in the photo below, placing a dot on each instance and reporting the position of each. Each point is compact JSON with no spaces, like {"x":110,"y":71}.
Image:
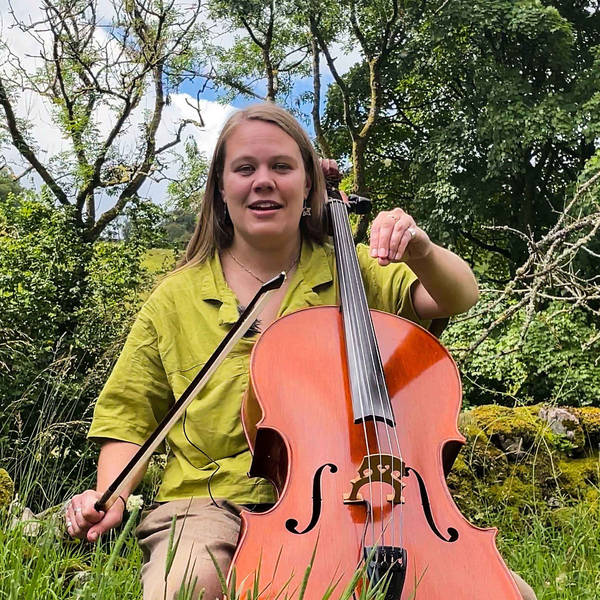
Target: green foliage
{"x":178,"y":227}
{"x":7,"y":488}
{"x":158,"y":260}
{"x":66,"y":304}
{"x":490,"y":113}
{"x":7,"y":184}
{"x":555,"y":362}
{"x":185,"y":192}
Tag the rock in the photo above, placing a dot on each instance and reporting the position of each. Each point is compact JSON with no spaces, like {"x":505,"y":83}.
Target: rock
{"x":31,"y":524}
{"x":511,"y":446}
{"x":526,"y":458}
{"x":563,"y":422}
{"x":577,"y":475}
{"x":7,"y":488}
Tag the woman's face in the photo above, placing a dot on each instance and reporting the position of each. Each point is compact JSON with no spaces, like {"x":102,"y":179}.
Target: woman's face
{"x":264,"y":183}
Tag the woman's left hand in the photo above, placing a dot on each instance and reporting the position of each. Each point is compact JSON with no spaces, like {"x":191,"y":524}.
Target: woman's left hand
{"x":395,"y":237}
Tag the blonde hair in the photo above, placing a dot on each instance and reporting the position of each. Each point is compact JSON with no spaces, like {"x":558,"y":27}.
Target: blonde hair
{"x":214,"y":230}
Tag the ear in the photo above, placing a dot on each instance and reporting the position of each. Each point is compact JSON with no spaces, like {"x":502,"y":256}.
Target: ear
{"x":307,"y":185}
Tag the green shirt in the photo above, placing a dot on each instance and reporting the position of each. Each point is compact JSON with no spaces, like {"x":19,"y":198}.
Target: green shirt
{"x":175,"y":333}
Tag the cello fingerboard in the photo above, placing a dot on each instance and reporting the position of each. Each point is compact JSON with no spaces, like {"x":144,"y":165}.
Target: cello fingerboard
{"x":370,"y":399}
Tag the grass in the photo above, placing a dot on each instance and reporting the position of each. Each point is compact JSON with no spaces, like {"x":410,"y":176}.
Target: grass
{"x":158,"y":260}
{"x":38,"y":563}
{"x":559,"y":558}
{"x":557,"y":553}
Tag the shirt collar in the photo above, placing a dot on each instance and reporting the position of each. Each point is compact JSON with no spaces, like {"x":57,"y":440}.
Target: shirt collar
{"x":315,"y":268}
{"x":210,"y":274}
{"x":315,"y":265}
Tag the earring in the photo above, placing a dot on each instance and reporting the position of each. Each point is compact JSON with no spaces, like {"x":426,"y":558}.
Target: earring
{"x":306,"y":210}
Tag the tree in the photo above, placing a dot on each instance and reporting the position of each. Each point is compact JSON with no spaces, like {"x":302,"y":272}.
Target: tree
{"x":377,"y":28}
{"x":59,"y":334}
{"x":89,"y":67}
{"x":281,"y":43}
{"x":68,"y":293}
{"x":491,"y":120}
{"x":269,"y":52}
{"x":537,"y":338}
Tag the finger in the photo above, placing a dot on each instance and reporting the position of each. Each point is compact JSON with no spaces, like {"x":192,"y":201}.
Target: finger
{"x":381,"y":232}
{"x":385,"y":230}
{"x":407,"y":237}
{"x":374,"y":238}
{"x":400,"y":228}
{"x":68,"y":521}
{"x":90,"y":514}
{"x":79,"y":518}
{"x":111,"y":519}
{"x":73,"y":528}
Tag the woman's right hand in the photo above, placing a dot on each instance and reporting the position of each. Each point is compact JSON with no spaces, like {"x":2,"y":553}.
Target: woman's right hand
{"x":85,"y":522}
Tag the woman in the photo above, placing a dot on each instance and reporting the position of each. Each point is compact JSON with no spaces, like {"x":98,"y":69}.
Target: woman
{"x":262,"y":213}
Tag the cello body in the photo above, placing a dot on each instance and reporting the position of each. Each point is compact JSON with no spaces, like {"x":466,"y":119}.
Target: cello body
{"x":299,"y":421}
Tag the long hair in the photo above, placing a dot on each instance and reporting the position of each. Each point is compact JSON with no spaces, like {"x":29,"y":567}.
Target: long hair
{"x":214,"y":230}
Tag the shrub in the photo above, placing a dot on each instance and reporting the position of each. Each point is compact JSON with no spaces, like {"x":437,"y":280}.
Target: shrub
{"x":65,"y":306}
{"x":554,"y":361}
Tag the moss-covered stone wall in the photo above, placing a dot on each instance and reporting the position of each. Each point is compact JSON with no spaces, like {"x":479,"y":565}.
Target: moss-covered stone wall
{"x":526,"y":458}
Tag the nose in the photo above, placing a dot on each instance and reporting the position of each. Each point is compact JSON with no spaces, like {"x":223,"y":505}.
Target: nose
{"x":263,"y":180}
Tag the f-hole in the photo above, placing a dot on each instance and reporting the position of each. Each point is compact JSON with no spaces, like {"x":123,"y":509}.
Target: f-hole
{"x":292,"y":524}
{"x":452,"y":532}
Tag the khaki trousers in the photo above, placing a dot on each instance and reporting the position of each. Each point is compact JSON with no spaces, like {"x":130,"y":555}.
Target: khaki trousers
{"x":201,"y":525}
{"x":205,"y":526}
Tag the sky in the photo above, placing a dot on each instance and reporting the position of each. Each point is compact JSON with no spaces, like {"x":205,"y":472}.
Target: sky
{"x":48,"y":139}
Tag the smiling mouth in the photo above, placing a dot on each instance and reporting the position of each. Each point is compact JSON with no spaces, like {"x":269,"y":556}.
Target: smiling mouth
{"x":264,"y":206}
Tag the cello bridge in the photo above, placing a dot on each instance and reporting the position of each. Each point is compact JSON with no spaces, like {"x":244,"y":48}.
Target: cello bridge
{"x":378,"y":468}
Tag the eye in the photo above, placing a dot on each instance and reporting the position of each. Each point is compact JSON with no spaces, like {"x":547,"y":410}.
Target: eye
{"x":245,"y":169}
{"x":280,"y":166}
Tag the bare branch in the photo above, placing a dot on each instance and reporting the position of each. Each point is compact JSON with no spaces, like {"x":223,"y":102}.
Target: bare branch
{"x":550,"y":272}
{"x":25,"y":149}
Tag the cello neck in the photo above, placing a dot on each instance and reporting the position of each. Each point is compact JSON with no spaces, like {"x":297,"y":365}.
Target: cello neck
{"x":370,"y":399}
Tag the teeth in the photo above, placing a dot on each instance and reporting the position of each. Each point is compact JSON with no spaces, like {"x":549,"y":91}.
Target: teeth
{"x":264,"y":206}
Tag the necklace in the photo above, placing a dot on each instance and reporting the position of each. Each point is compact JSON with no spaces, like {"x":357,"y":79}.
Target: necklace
{"x":250,"y":272}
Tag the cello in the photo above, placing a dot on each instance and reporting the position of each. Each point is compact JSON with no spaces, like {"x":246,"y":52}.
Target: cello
{"x":355,"y":426}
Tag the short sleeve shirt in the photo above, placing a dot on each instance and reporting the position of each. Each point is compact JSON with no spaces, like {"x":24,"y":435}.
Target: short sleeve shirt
{"x":175,"y":333}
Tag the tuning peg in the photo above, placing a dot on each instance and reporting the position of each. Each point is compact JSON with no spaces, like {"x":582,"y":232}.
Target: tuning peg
{"x":359,"y":204}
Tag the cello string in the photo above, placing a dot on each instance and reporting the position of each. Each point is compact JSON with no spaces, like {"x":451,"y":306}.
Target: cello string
{"x":371,"y":355}
{"x":389,"y":410}
{"x":357,"y":304}
{"x":376,"y":356}
{"x":343,"y":269}
{"x":383,"y":396}
{"x":368,"y":351}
